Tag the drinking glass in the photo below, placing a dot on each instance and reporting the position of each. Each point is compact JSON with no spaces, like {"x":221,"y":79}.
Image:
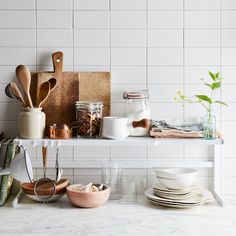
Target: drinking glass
{"x":128,"y":190}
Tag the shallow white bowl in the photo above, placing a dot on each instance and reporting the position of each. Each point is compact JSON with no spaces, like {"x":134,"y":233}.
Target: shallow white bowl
{"x":177,"y":183}
{"x":177,"y":173}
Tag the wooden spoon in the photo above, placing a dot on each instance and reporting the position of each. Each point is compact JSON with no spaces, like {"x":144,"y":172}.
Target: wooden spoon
{"x":24,"y":77}
{"x":53,"y":83}
{"x":17,"y":93}
{"x":43,"y":93}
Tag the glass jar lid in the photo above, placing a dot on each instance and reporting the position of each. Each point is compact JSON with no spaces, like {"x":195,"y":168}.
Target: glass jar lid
{"x":88,"y":103}
{"x":141,"y":94}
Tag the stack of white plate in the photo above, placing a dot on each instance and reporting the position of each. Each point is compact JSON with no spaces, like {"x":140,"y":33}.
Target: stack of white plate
{"x":183,"y":198}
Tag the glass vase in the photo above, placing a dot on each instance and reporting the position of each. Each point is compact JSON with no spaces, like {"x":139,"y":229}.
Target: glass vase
{"x":209,"y":129}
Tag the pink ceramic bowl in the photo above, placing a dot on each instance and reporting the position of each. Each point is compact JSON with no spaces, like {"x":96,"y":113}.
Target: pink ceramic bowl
{"x":87,"y":199}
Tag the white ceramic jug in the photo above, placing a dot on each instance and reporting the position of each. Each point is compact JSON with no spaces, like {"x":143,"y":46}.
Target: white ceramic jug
{"x":32,"y":123}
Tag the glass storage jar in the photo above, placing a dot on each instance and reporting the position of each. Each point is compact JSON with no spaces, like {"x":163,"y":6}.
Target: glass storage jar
{"x":138,"y":112}
{"x":89,"y":118}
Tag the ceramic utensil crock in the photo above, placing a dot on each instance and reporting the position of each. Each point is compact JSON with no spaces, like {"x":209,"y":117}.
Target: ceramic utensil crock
{"x":32,"y":123}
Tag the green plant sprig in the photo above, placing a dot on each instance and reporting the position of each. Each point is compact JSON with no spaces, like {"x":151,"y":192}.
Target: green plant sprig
{"x":205,"y":100}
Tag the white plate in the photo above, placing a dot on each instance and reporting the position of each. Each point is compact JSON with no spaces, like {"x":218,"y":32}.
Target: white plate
{"x":160,"y":188}
{"x":199,"y":198}
{"x":54,"y":198}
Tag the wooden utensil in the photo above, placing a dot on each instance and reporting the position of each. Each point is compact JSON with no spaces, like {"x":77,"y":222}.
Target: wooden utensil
{"x":24,"y":77}
{"x":43,"y":93}
{"x":71,"y":87}
{"x":17,"y":93}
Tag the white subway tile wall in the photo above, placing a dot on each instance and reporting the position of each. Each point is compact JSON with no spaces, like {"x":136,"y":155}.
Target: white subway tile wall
{"x":162,"y":45}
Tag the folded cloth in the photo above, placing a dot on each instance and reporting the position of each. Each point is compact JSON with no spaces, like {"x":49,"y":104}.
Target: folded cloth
{"x":192,"y":128}
{"x":184,"y":125}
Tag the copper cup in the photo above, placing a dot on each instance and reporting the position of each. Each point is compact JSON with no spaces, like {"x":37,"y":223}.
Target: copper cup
{"x":60,"y":131}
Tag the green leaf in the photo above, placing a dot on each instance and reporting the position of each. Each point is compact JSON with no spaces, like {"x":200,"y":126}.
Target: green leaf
{"x":221,"y":103}
{"x":209,"y":85}
{"x":215,"y":85}
{"x":217,"y":75}
{"x":204,"y":98}
{"x":212,"y":75}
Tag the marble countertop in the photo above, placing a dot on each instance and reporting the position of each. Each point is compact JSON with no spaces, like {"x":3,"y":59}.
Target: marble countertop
{"x":114,"y":218}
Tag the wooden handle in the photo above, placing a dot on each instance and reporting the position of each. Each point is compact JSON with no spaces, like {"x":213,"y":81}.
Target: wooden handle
{"x":144,"y":123}
{"x":57,"y":59}
{"x":44,"y":154}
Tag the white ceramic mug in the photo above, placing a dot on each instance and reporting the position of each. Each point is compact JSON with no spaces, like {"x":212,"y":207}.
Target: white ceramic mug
{"x":115,"y":127}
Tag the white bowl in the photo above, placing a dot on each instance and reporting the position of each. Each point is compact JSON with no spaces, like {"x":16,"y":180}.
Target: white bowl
{"x":176,"y":183}
{"x":177,"y":173}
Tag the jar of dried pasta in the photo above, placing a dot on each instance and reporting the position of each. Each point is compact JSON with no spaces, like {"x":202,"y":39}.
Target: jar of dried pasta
{"x":89,"y":118}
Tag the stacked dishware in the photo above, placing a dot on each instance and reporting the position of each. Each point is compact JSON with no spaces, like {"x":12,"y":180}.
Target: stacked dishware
{"x":176,"y":188}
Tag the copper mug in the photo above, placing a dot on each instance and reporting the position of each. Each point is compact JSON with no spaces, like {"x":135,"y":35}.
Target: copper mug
{"x":60,"y":131}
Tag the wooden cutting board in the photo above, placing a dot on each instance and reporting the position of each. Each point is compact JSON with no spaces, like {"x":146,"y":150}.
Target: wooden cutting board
{"x":71,"y":87}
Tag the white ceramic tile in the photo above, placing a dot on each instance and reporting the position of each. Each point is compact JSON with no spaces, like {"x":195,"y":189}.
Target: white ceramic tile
{"x":52,"y":172}
{"x":65,"y":152}
{"x":165,"y":38}
{"x":91,"y":19}
{"x":85,"y":151}
{"x":128,"y":4}
{"x":128,"y":56}
{"x":10,"y":128}
{"x":228,"y":150}
{"x":91,"y":4}
{"x":202,"y":19}
{"x":17,"y":19}
{"x":54,"y":19}
{"x":50,"y":67}
{"x":165,"y":5}
{"x":163,"y":93}
{"x":165,"y":151}
{"x":228,"y":56}
{"x":128,"y":19}
{"x":10,"y":37}
{"x":165,"y":56}
{"x":228,"y":19}
{"x":3,"y":97}
{"x":9,"y":111}
{"x":124,"y":151}
{"x":202,"y":56}
{"x":118,"y":90}
{"x":228,"y":37}
{"x":193,"y":74}
{"x":128,"y":74}
{"x":88,"y":171}
{"x":7,"y":73}
{"x":228,"y":73}
{"x":165,"y":74}
{"x":92,"y":56}
{"x":165,"y":19}
{"x":92,"y":68}
{"x":227,"y":185}
{"x":44,"y":56}
{"x":166,"y":110}
{"x":87,"y":179}
{"x":15,"y":4}
{"x":202,"y":4}
{"x":228,"y":111}
{"x":202,"y":38}
{"x":128,"y":38}
{"x":117,"y":109}
{"x":228,"y":129}
{"x":228,"y":167}
{"x":228,"y":4}
{"x":91,"y":38}
{"x":17,"y":56}
{"x":55,"y":38}
{"x":194,"y":151}
{"x":228,"y":92}
{"x":54,"y":4}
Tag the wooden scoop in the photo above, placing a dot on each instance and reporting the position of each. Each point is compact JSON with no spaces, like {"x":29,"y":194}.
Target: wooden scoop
{"x":43,"y":93}
{"x":17,"y":93}
{"x":24,"y":77}
{"x":144,"y":123}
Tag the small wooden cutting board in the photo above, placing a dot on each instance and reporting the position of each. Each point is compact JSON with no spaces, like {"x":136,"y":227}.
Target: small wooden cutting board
{"x":71,"y":87}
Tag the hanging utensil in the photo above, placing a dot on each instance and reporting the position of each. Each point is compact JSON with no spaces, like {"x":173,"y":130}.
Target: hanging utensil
{"x":16,"y":92}
{"x":45,"y":183}
{"x":24,"y":77}
{"x":43,"y":93}
{"x":59,"y":171}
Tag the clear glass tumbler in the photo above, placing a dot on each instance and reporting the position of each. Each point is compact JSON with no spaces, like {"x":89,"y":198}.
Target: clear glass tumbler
{"x":128,"y":190}
{"x":111,"y":176}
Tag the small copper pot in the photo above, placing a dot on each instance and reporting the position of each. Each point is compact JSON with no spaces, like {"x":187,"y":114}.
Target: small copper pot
{"x":60,"y":131}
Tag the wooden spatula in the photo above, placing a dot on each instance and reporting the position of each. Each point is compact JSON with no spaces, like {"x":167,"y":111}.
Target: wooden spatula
{"x":17,"y":93}
{"x":43,"y":93}
{"x":24,"y":77}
